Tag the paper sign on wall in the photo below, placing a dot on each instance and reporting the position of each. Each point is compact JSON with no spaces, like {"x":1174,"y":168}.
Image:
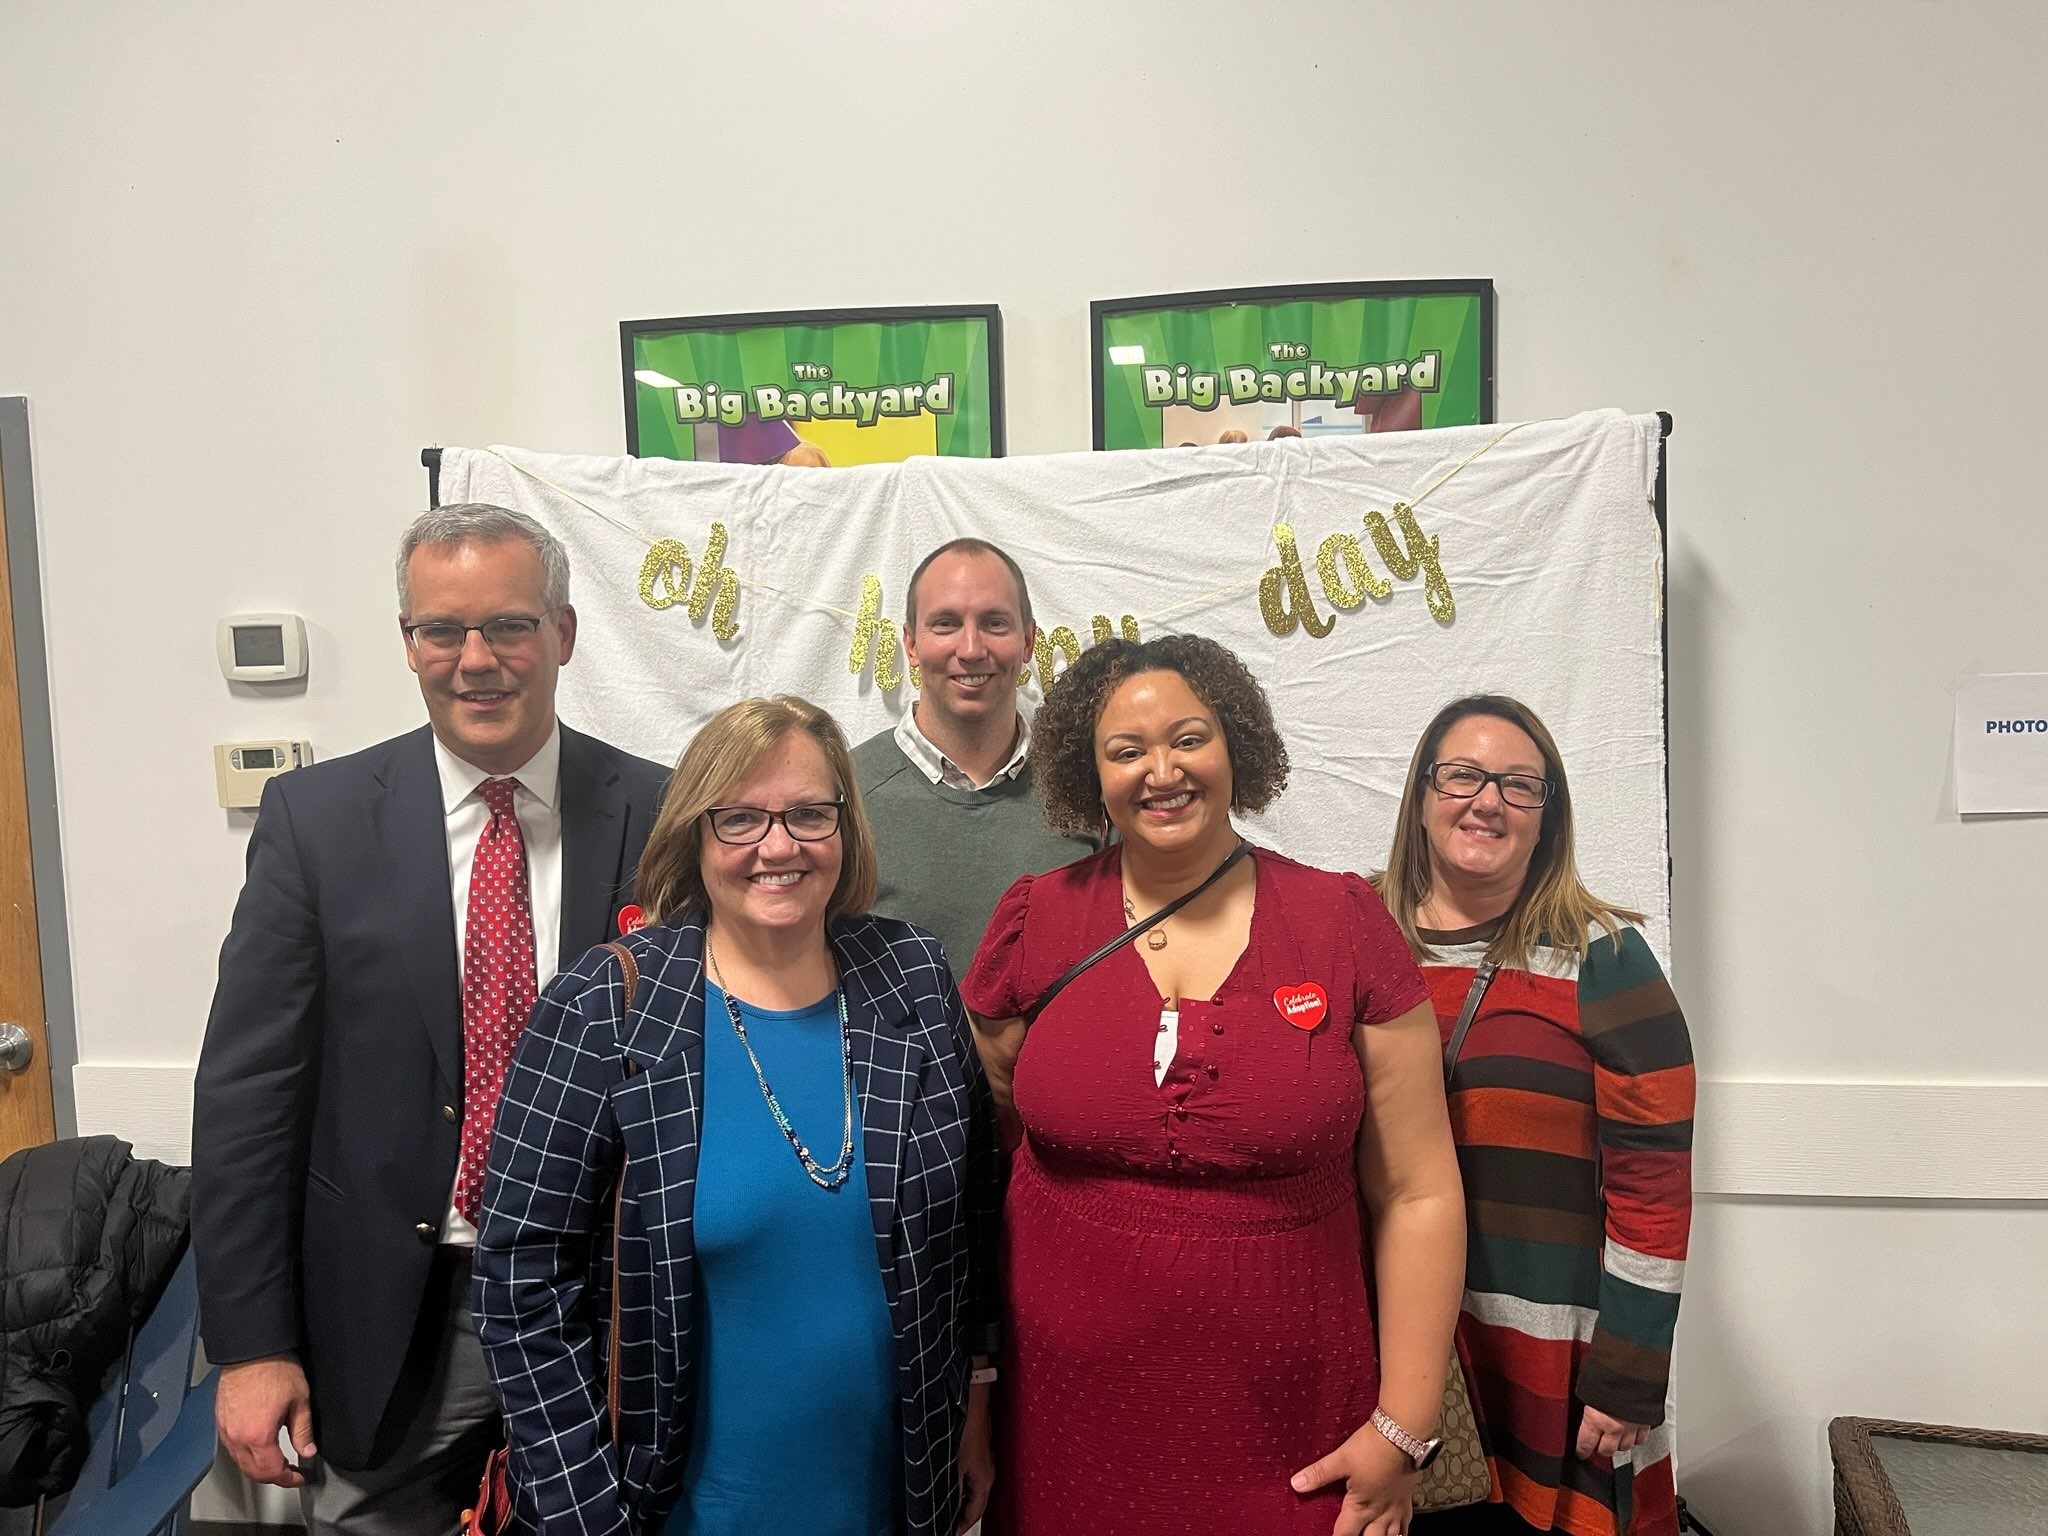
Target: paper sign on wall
{"x":2002,"y":743}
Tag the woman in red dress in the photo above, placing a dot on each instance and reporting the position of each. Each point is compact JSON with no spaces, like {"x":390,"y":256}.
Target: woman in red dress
{"x":1206,"y":1115}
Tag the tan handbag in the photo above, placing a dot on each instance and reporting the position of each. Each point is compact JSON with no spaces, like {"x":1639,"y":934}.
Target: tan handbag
{"x":1459,"y":1475}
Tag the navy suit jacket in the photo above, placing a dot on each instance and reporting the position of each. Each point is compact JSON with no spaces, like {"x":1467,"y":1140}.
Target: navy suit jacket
{"x":595,"y":1086}
{"x":327,"y":1112}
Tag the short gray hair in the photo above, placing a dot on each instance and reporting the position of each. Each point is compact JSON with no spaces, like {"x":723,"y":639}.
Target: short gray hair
{"x":478,"y":522}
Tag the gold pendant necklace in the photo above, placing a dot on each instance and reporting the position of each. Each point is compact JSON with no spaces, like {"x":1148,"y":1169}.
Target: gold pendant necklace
{"x":1155,"y":938}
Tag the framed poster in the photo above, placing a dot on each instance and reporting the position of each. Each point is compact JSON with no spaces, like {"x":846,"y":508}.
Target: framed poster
{"x":1245,"y":364}
{"x":820,"y":387}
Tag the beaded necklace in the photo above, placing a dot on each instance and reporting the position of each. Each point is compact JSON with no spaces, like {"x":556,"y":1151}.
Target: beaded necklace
{"x":824,"y":1178}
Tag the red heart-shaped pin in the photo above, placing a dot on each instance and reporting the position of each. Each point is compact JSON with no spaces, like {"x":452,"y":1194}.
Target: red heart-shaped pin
{"x":1302,"y":1005}
{"x":631,"y":918}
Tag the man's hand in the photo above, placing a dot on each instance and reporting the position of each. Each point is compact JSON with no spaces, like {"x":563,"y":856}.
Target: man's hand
{"x":256,"y":1399}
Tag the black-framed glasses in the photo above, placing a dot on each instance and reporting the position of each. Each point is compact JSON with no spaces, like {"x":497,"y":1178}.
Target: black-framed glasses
{"x":506,"y":636}
{"x":1462,"y":781}
{"x":746,"y":824}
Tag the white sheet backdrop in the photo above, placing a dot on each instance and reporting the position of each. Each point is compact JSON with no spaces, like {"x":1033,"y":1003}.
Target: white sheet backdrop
{"x":1544,"y":531}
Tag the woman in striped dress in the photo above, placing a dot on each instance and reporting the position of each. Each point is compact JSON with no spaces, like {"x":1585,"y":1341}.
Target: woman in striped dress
{"x":1572,"y":1105}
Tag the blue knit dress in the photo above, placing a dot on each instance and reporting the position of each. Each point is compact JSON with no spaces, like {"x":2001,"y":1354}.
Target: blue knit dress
{"x":795,"y":1417}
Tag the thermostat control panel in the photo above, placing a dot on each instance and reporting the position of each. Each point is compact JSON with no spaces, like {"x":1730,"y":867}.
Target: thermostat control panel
{"x":242,"y":768}
{"x":261,"y":647}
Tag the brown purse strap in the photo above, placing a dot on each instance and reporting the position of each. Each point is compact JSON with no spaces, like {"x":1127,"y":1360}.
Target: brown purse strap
{"x":1481,"y":980}
{"x":631,"y":968}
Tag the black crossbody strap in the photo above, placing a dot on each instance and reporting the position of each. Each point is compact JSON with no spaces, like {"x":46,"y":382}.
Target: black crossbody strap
{"x":1031,"y":1014}
{"x":1481,"y":980}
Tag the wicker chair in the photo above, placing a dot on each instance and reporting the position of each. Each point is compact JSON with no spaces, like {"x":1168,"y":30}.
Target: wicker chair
{"x":1866,"y":1503}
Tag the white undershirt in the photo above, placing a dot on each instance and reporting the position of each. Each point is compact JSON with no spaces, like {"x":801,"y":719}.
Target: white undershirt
{"x":1165,"y":1043}
{"x":537,"y":804}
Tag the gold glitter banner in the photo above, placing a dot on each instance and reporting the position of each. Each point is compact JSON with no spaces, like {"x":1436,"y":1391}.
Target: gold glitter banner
{"x":1284,"y":597}
{"x":879,"y":637}
{"x":878,"y":640}
{"x":665,"y":576}
{"x":1285,"y":601}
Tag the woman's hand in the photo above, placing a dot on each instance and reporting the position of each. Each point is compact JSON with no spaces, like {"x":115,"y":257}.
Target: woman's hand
{"x":1379,"y":1485}
{"x":977,"y":1461}
{"x":1602,"y":1435}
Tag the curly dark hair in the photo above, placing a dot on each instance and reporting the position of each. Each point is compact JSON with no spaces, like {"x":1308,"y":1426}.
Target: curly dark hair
{"x":1063,"y":731}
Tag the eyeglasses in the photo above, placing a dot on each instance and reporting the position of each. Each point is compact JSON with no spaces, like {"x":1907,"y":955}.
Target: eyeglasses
{"x":1461,"y":781}
{"x":443,"y":638}
{"x":746,"y":824}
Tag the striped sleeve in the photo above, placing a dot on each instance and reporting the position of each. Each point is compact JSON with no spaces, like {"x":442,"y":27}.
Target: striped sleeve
{"x":1643,"y":1095}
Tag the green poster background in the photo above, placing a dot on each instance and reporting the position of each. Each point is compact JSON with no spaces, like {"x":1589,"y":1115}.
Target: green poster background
{"x":1340,"y":327}
{"x":863,"y":350}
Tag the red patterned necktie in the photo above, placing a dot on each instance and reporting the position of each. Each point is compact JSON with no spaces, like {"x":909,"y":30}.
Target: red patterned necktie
{"x":497,"y":981}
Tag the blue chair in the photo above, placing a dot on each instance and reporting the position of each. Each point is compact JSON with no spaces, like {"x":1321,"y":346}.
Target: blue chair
{"x":150,"y":1431}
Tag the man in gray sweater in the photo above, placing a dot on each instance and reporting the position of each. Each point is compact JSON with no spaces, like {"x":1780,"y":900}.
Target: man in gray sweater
{"x":949,"y":790}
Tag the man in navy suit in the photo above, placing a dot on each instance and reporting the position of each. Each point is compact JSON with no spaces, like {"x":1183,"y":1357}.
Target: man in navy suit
{"x":345,"y":1068}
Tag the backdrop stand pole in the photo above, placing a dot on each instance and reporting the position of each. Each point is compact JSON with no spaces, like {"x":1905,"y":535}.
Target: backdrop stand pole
{"x":1663,"y":623}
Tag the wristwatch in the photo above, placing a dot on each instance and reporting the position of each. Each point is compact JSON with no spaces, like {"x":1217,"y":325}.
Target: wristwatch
{"x":1421,"y":1452}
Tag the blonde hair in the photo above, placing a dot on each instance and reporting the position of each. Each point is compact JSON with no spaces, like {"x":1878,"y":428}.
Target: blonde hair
{"x":1233,"y":435}
{"x":718,"y":758}
{"x":1553,"y":908}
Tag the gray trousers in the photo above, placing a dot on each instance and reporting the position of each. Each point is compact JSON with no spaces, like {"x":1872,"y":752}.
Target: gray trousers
{"x":447,"y":1423}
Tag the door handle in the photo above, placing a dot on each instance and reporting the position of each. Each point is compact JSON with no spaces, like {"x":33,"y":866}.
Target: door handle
{"x":16,"y":1048}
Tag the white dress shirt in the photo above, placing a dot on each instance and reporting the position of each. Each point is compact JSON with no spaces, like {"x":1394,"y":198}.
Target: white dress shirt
{"x":538,"y":805}
{"x":941,"y":769}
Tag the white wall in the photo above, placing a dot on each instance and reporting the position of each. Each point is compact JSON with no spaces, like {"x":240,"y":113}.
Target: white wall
{"x":253,"y":257}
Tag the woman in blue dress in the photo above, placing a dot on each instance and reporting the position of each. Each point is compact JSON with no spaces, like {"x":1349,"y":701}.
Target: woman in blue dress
{"x":735,"y":1267}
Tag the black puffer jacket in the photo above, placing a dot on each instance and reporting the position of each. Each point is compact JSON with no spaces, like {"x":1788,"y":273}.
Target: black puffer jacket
{"x":89,"y":1234}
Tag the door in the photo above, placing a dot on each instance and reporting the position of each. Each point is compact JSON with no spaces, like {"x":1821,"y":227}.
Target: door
{"x":27,"y":1116}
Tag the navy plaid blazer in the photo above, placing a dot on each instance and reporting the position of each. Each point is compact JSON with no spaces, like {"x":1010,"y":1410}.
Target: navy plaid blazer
{"x":593,"y":1083}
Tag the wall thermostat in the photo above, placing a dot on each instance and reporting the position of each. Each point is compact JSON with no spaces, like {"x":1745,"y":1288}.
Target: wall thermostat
{"x":261,"y":647}
{"x":242,"y":768}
